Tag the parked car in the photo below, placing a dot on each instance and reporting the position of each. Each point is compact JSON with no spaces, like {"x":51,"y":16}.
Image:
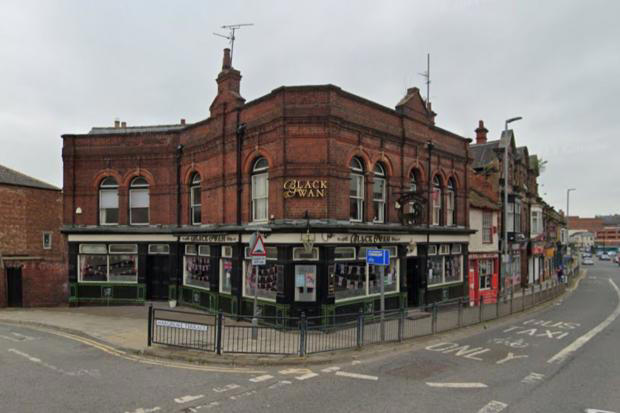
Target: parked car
{"x":588,"y":261}
{"x":605,"y":257}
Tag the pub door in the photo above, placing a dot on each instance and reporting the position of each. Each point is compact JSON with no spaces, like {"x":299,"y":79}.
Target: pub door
{"x":414,"y":283}
{"x":157,"y":277}
{"x":14,"y":286}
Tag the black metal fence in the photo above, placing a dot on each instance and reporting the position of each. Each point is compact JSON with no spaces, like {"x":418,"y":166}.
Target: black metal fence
{"x":307,"y":335}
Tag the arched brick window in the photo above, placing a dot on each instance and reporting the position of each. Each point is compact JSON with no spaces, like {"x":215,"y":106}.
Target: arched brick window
{"x":139,"y":201}
{"x":379,"y":193}
{"x":356,"y":191}
{"x":260,"y":190}
{"x":451,"y":203}
{"x":414,"y":179}
{"x":195,"y":199}
{"x":437,"y":204}
{"x":108,"y":201}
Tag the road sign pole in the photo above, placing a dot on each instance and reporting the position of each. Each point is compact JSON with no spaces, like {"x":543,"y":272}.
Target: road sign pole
{"x":382,"y":305}
{"x":255,"y":311}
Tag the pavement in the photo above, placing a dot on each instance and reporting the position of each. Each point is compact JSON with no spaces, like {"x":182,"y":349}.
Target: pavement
{"x":124,"y":328}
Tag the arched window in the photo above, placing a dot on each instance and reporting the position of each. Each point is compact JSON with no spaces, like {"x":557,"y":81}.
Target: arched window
{"x":356,"y":190}
{"x":413,"y":186}
{"x":194,"y":199}
{"x":260,"y":190}
{"x":378,"y":193}
{"x":108,"y":201}
{"x":436,"y":197}
{"x":451,"y":203}
{"x":139,"y":201}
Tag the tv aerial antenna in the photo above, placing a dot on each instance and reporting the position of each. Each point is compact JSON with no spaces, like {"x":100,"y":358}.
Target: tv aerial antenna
{"x":427,"y":75}
{"x":232,"y":28}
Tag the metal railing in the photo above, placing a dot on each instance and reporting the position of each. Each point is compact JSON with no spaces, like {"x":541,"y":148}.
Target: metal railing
{"x":308,"y":335}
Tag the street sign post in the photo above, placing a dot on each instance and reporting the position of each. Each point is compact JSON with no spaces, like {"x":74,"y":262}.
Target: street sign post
{"x":381,"y":259}
{"x":258,"y":252}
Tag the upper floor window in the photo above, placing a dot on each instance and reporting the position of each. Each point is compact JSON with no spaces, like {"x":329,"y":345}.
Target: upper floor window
{"x":517,"y":215}
{"x":108,"y":201}
{"x":378,"y":194}
{"x":356,"y":191}
{"x":413,"y":186}
{"x":450,"y":203}
{"x":536,"y":223}
{"x":194,"y":199}
{"x":437,"y":204}
{"x":139,"y":201}
{"x":487,"y":227}
{"x":260,"y":189}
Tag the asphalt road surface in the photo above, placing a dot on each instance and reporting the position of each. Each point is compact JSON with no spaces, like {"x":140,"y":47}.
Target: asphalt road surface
{"x":563,"y":357}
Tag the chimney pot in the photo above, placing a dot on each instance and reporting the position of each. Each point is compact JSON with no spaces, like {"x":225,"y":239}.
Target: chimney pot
{"x":117,"y":123}
{"x":481,"y":133}
{"x":182,"y":121}
{"x":227,"y":62}
{"x":123,"y":124}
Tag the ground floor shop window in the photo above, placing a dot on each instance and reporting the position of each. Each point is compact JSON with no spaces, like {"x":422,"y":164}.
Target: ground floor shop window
{"x":267,"y":279}
{"x":445,"y":267}
{"x":349,"y":278}
{"x":485,"y":272}
{"x":305,"y":283}
{"x":390,"y":279}
{"x":226,"y":266}
{"x":108,"y":263}
{"x":198,"y":268}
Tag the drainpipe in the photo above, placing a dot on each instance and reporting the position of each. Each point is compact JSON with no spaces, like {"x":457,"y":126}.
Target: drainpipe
{"x":179,"y":152}
{"x":240,"y":132}
{"x":429,"y":146}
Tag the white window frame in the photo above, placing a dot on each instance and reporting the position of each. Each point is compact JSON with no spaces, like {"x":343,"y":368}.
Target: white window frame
{"x":107,"y":188}
{"x":487,"y":227}
{"x":350,"y":249}
{"x":450,"y":204}
{"x":379,"y":201}
{"x":260,"y":172}
{"x":47,"y":245}
{"x":510,"y":217}
{"x":195,"y":185}
{"x":436,"y":195}
{"x":489,"y":276}
{"x":517,"y":206}
{"x":297,"y":250}
{"x":153,"y":252}
{"x":136,"y":188}
{"x":357,"y":175}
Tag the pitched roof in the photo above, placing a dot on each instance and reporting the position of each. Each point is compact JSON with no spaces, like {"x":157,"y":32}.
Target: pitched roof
{"x":483,"y":153}
{"x":478,"y":200}
{"x":9,"y":176}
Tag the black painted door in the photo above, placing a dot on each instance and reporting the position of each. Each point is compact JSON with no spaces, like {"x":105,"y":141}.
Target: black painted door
{"x":14,"y":286}
{"x":157,"y":277}
{"x":413,"y":282}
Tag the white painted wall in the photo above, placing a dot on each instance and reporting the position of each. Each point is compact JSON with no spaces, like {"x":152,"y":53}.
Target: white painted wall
{"x":475,"y":240}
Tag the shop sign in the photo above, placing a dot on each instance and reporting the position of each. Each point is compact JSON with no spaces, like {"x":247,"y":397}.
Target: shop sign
{"x":223,"y":238}
{"x":310,"y":188}
{"x":368,"y":238}
{"x":537,"y":250}
{"x":180,"y":325}
{"x":550,"y":252}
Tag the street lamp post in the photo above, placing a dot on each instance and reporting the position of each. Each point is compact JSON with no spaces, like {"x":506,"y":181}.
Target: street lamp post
{"x":429,"y":146}
{"x":505,"y":257}
{"x":567,"y":219}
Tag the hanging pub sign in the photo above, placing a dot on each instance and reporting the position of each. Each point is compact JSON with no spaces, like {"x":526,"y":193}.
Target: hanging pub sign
{"x":311,"y":188}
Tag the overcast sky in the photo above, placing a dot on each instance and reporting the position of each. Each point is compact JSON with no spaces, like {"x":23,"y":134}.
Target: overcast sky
{"x":66,"y":66}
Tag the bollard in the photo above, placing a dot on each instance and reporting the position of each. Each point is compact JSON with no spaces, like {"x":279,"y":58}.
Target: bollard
{"x":150,"y":332}
{"x":434,"y":319}
{"x":302,"y":334}
{"x":218,"y":333}
{"x":460,"y":320}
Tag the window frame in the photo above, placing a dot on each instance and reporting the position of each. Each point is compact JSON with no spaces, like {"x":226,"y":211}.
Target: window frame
{"x":47,"y":245}
{"x":451,"y":203}
{"x":487,"y":227}
{"x":107,"y":187}
{"x":379,"y":179}
{"x":356,"y":173}
{"x":135,"y":188}
{"x":195,"y":184}
{"x":489,"y":276}
{"x":106,"y":251}
{"x":437,"y":201}
{"x":260,"y":171}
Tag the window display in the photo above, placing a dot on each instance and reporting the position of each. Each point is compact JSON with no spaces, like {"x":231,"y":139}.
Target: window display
{"x":93,"y":268}
{"x":108,"y":263}
{"x":390,"y":277}
{"x":435,"y":275}
{"x":123,"y":268}
{"x":453,"y":268}
{"x":305,"y":283}
{"x":269,"y":278}
{"x":485,"y":272}
{"x":198,"y":271}
{"x":349,"y":278}
{"x":445,"y":269}
{"x":226,"y":266}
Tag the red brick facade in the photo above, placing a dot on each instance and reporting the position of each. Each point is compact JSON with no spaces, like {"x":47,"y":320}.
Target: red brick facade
{"x":25,"y":214}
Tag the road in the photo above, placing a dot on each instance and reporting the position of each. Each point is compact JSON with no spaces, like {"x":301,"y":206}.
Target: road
{"x":559,"y":358}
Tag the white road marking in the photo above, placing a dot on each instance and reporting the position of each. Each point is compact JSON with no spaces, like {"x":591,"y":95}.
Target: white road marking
{"x":187,"y":399}
{"x":576,"y":345}
{"x":461,"y":350}
{"x":306,"y":376}
{"x":226,"y":388}
{"x":22,"y":337}
{"x":356,"y":376}
{"x":194,"y":409}
{"x":11,"y":339}
{"x":598,"y":411}
{"x":280,"y":384}
{"x":533,"y":378}
{"x":295,"y":371}
{"x":331,"y":369}
{"x":355,"y":362}
{"x":493,"y":407}
{"x":80,"y":372}
{"x":242,"y":395}
{"x":261,"y":378}
{"x":510,"y":356}
{"x":142,"y":410}
{"x":458,"y":385}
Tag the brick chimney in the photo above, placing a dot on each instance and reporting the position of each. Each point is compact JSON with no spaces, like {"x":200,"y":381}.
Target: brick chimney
{"x":228,"y":87}
{"x":481,"y":133}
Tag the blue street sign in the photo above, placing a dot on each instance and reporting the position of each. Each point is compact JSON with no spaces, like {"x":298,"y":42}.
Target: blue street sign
{"x":378,"y":257}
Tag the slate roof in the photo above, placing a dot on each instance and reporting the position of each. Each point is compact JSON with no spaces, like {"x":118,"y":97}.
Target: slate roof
{"x":9,"y":176}
{"x":483,"y":153}
{"x":477,"y":200}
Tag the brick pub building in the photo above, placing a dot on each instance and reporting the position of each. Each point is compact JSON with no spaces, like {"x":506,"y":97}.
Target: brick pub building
{"x":33,"y":268}
{"x":166,"y":212}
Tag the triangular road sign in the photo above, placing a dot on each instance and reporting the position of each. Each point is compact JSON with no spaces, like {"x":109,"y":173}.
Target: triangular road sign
{"x":258,"y":249}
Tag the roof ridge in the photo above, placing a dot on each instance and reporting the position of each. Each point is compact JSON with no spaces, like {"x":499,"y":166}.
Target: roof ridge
{"x":41,"y":183}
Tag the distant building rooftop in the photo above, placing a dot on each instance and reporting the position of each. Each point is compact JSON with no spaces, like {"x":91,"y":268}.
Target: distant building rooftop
{"x":9,"y":176}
